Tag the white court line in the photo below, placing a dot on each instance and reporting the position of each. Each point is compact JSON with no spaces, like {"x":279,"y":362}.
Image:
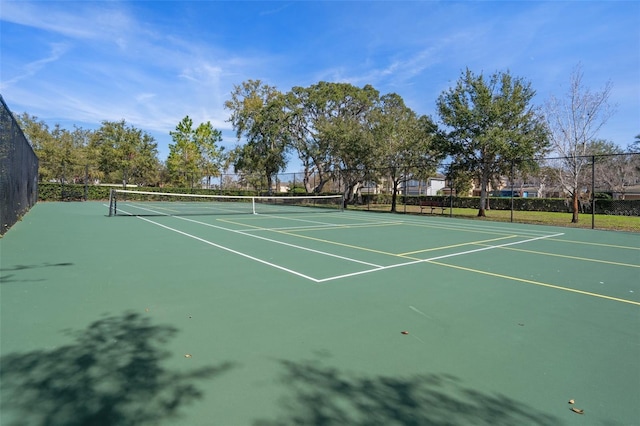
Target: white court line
{"x":255,"y":236}
{"x":449,"y":223}
{"x":273,"y":265}
{"x":337,"y":277}
{"x":279,"y":242}
{"x":326,"y":226}
{"x":413,"y":308}
{"x":293,"y":219}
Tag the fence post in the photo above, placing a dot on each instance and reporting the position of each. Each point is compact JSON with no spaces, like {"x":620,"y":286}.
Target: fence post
{"x":86,"y":182}
{"x":404,"y":193}
{"x":451,"y":185}
{"x":593,"y":192}
{"x":512,"y":186}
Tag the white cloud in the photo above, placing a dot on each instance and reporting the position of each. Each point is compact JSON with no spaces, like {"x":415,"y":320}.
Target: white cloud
{"x":122,"y":60}
{"x":90,"y":20}
{"x":57,"y":50}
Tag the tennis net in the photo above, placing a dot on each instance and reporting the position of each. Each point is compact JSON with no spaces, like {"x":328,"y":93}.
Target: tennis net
{"x":144,"y":203}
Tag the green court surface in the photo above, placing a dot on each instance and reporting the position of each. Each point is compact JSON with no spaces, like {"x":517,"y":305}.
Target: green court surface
{"x":298,"y":319}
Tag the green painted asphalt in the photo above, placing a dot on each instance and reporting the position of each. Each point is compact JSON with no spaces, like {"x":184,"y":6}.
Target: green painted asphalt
{"x":297,"y":319}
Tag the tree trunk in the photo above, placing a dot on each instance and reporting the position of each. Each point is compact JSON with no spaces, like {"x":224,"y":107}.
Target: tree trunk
{"x":306,"y":180}
{"x":483,"y":198}
{"x":575,"y":205}
{"x":269,"y":183}
{"x":394,"y":197}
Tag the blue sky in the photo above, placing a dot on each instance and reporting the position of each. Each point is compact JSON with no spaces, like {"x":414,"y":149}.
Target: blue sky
{"x":154,"y":62}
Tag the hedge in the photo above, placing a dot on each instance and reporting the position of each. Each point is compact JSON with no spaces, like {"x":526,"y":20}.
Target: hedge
{"x":76,"y":192}
{"x":560,"y":205}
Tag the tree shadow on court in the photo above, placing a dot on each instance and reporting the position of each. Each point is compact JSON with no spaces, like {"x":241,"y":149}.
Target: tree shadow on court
{"x":4,"y":278}
{"x":327,"y":396}
{"x":111,"y":374}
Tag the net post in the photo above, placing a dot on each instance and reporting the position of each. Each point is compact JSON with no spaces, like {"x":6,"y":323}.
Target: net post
{"x":342,"y":203}
{"x":112,"y":203}
{"x":253,"y":205}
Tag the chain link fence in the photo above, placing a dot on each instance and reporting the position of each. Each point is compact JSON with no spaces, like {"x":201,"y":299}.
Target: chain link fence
{"x":607,"y":189}
{"x":603,"y":189}
{"x":18,"y":171}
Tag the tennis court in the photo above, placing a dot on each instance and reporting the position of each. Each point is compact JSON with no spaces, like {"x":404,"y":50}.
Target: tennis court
{"x":313,"y":316}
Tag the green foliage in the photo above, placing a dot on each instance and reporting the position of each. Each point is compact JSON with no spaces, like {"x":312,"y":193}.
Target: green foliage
{"x":194,"y":153}
{"x":124,"y":154}
{"x":57,"y":192}
{"x":258,"y":114}
{"x":62,"y":153}
{"x":404,"y":143}
{"x":71,"y":192}
{"x":330,"y":127}
{"x":297,"y":190}
{"x":491,"y":125}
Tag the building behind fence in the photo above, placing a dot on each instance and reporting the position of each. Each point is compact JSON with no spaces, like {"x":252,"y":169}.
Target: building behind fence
{"x":18,"y":171}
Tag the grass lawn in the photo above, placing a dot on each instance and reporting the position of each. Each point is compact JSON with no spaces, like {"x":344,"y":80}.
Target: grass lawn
{"x":608,"y":222}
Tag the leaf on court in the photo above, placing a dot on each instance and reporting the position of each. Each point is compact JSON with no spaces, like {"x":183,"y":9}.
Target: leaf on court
{"x":405,"y":332}
{"x":571,"y":401}
{"x":188,"y":355}
{"x":577,"y":410}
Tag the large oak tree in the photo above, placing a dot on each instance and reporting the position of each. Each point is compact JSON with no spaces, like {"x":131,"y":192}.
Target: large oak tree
{"x":493,"y":127}
{"x":125,"y":153}
{"x":318,"y":115}
{"x":258,"y":115}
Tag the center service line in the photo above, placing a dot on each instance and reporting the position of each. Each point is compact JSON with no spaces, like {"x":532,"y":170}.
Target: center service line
{"x":337,"y":277}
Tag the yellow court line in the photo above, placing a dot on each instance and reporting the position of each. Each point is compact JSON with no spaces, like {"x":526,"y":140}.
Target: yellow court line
{"x":457,"y":245}
{"x":314,"y":228}
{"x":340,"y":244}
{"x":557,"y":287}
{"x":329,"y":227}
{"x":587,"y":259}
{"x":237,"y":223}
{"x":594,"y":244}
{"x":454,"y":228}
{"x":320,"y":240}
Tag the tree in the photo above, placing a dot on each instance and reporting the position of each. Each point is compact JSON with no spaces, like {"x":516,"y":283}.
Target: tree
{"x":70,"y":158}
{"x":194,"y":155}
{"x":574,"y":122}
{"x":346,"y":132}
{"x":313,"y":111}
{"x":634,"y":151}
{"x":494,"y":129}
{"x":258,"y":114}
{"x":635,"y":145}
{"x":405,"y":147}
{"x":37,"y":132}
{"x":125,"y":153}
{"x":307,"y":105}
{"x":62,"y":153}
{"x":614,"y":169}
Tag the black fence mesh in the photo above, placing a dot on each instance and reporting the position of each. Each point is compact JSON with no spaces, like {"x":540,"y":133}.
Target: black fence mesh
{"x":18,"y":171}
{"x":607,"y":189}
